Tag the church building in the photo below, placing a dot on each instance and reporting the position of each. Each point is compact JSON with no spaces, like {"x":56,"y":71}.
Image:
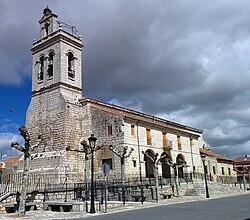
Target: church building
{"x":65,"y":117}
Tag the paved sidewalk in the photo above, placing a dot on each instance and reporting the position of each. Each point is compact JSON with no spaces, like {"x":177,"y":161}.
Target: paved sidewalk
{"x":49,"y":215}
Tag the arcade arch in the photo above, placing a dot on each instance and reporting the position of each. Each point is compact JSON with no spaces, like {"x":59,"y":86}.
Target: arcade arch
{"x":166,"y":171}
{"x":149,"y":166}
{"x":180,"y":161}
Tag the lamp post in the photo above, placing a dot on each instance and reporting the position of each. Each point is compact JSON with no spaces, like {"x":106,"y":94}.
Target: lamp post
{"x":203,"y":158}
{"x":92,"y":140}
{"x":139,"y":157}
{"x":87,"y":149}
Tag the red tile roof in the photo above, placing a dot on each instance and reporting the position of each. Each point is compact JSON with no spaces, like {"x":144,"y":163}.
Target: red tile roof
{"x":142,"y":117}
{"x":212,"y":154}
{"x":12,"y":160}
{"x":242,"y":160}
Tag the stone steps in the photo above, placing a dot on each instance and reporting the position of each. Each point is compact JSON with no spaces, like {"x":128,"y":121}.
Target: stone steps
{"x":215,"y":188}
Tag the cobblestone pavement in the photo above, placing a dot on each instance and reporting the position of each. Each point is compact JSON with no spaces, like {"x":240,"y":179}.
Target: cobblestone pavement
{"x":42,"y":215}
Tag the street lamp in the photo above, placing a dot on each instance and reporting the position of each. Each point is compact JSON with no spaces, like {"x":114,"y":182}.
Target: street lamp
{"x":87,"y":149}
{"x":203,"y":158}
{"x":92,"y":140}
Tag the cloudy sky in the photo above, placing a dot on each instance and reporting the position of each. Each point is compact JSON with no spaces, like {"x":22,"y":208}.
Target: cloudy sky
{"x":186,"y":61}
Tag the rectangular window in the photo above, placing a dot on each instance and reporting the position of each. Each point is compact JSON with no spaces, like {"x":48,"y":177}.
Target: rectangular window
{"x":164,"y":139}
{"x":134,"y":163}
{"x":206,"y":170}
{"x":110,"y":130}
{"x":214,"y":170}
{"x":191,"y":142}
{"x":132,"y":130}
{"x":222,"y":171}
{"x":108,"y":161}
{"x":179,"y":142}
{"x":229,"y":172}
{"x":148,"y":137}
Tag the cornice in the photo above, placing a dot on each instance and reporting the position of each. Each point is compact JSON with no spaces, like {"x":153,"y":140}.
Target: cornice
{"x":139,"y":117}
{"x":56,"y":37}
{"x":55,"y":86}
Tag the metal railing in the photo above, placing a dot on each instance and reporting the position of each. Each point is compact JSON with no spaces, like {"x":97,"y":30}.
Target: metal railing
{"x":60,"y":182}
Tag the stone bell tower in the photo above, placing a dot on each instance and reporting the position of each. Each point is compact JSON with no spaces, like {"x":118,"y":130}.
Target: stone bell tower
{"x":54,"y":110}
{"x":57,"y":59}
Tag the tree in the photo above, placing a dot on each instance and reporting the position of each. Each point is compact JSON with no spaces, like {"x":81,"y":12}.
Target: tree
{"x":154,"y":158}
{"x":175,"y":167}
{"x":27,"y":156}
{"x":125,"y":154}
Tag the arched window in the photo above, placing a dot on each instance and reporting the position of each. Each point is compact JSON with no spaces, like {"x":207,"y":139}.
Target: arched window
{"x":46,"y":26}
{"x":50,"y":65}
{"x":41,"y":69}
{"x":71,"y":65}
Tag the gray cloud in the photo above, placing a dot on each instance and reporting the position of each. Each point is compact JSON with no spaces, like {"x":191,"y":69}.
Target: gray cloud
{"x":187,"y":61}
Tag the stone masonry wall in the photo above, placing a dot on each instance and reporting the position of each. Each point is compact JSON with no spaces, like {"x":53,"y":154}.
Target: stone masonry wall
{"x":66,"y":47}
{"x":191,"y":156}
{"x":99,"y":126}
{"x":65,"y":126}
{"x":46,"y":116}
{"x":60,"y":119}
{"x":60,"y":48}
{"x":121,"y":136}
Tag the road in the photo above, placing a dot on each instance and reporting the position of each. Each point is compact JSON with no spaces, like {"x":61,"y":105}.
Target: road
{"x":227,"y":208}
